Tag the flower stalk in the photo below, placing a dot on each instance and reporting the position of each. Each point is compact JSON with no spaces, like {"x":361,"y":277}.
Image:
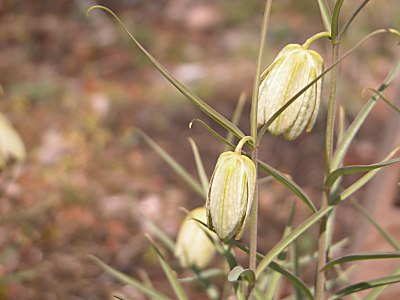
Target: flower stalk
{"x":253,"y":125}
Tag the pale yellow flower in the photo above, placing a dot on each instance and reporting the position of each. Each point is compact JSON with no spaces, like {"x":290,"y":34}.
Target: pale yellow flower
{"x":11,"y":145}
{"x":193,"y":246}
{"x":230,"y":195}
{"x":293,"y":68}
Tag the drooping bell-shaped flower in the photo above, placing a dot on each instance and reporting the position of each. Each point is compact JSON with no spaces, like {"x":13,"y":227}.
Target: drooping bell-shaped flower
{"x":193,"y":246}
{"x":230,"y":194}
{"x":11,"y":145}
{"x":293,"y":68}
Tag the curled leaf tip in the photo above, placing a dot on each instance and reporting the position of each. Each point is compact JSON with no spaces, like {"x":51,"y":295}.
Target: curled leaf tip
{"x":191,"y":124}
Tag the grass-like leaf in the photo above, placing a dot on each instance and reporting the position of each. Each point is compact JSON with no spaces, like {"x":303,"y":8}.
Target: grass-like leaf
{"x":172,"y":278}
{"x":290,"y":184}
{"x":356,"y":169}
{"x":289,"y":275}
{"x":386,"y":100}
{"x":206,"y":274}
{"x":352,"y":17}
{"x":360,"y":256}
{"x":326,"y":14}
{"x":212,"y":131}
{"x":350,"y":133}
{"x":163,"y":237}
{"x":293,"y":278}
{"x":151,"y":292}
{"x":188,"y":178}
{"x":362,"y":181}
{"x":360,"y":286}
{"x":282,"y":244}
{"x":204,"y":107}
{"x":383,"y":232}
{"x":373,"y":295}
{"x":200,"y":166}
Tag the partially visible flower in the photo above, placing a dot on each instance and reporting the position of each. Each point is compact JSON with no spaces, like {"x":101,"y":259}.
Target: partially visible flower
{"x":11,"y":146}
{"x":230,"y":194}
{"x":293,"y":68}
{"x":193,"y":246}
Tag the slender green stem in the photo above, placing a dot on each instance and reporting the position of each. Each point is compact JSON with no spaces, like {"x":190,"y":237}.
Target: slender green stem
{"x":330,"y":122}
{"x":315,"y":37}
{"x":330,"y":132}
{"x":253,"y":118}
{"x":242,"y":142}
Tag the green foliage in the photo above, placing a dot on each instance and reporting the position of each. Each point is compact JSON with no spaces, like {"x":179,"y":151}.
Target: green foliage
{"x":263,"y":276}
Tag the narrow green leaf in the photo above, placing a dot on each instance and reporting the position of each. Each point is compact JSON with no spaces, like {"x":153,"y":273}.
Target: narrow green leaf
{"x":384,"y":233}
{"x":282,"y":244}
{"x":163,"y":237}
{"x":290,"y":184}
{"x":356,"y":169}
{"x":290,"y":276}
{"x":386,"y":100}
{"x":172,"y":278}
{"x":373,"y":295}
{"x":275,"y":277}
{"x":256,"y":81}
{"x":212,"y":131}
{"x":293,"y":278}
{"x":325,"y":14}
{"x":129,"y":280}
{"x":335,"y":21}
{"x":173,"y":164}
{"x":206,"y":274}
{"x":366,"y":285}
{"x":360,"y":256}
{"x":119,"y":297}
{"x":350,"y":133}
{"x":296,"y":269}
{"x":200,"y":166}
{"x":352,"y":17}
{"x":204,"y":107}
{"x":361,"y":182}
{"x":307,"y":259}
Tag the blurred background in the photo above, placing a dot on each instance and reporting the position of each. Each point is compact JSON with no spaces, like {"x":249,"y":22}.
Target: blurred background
{"x":75,"y":87}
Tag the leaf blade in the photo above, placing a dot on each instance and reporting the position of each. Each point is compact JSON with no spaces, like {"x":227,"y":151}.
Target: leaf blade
{"x":129,"y":280}
{"x":282,"y":244}
{"x":356,"y":169}
{"x":204,"y":107}
{"x":172,"y":163}
{"x":360,"y":286}
{"x":360,"y":256}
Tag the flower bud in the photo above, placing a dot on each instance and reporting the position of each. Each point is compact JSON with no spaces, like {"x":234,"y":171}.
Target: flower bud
{"x":230,"y":194}
{"x":193,"y":246}
{"x":11,"y":146}
{"x":293,"y":68}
